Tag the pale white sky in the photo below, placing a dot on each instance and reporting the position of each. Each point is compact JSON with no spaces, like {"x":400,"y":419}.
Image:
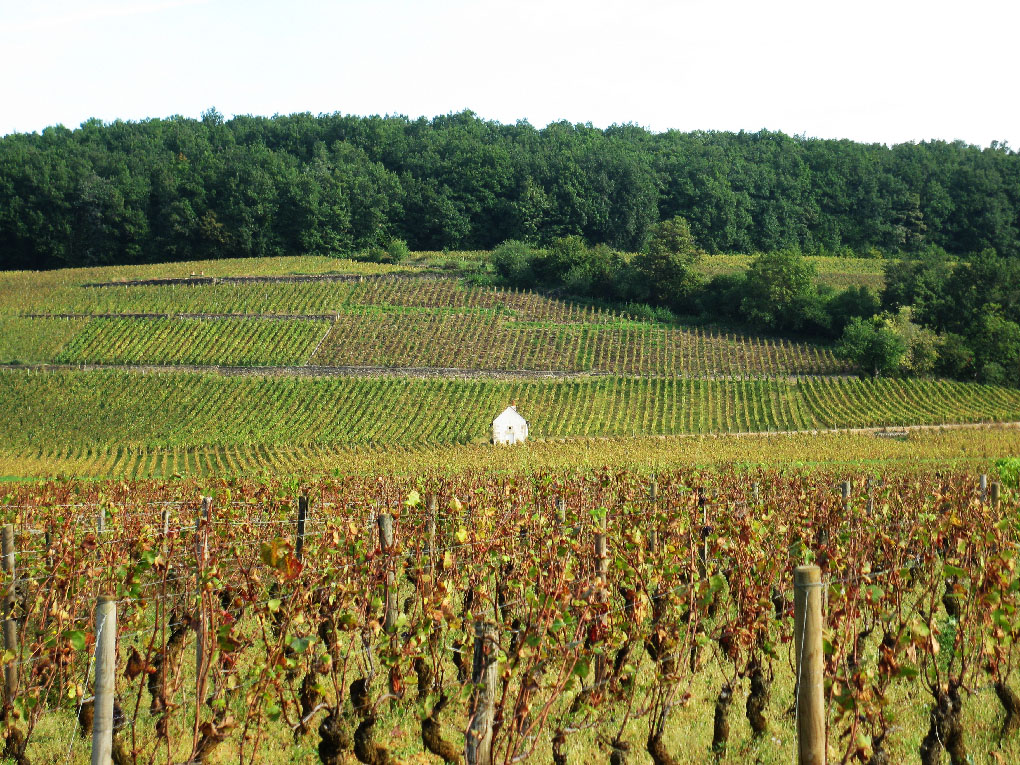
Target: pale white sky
{"x":867,"y":70}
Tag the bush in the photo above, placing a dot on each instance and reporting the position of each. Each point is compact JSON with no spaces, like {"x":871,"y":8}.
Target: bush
{"x":514,"y":262}
{"x":640,"y":311}
{"x":854,"y":302}
{"x":993,"y":373}
{"x":722,"y":296}
{"x":954,"y":358}
{"x":397,"y":250}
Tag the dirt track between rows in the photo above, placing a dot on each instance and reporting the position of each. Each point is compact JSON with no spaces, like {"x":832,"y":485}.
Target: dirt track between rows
{"x":382,"y":371}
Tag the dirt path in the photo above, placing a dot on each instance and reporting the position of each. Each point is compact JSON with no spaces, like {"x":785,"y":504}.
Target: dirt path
{"x":281,"y":279}
{"x":381,"y":371}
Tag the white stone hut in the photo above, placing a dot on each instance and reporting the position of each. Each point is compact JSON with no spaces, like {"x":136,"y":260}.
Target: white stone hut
{"x":509,"y":427}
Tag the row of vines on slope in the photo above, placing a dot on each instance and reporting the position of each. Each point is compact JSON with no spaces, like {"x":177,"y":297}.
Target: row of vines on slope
{"x":97,"y":408}
{"x":605,"y":598}
{"x":429,"y":322}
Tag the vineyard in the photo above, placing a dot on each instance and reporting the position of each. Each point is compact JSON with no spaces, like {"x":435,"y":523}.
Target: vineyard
{"x":568,"y":343}
{"x":186,"y":409}
{"x":550,"y":617}
{"x":835,"y":272}
{"x":389,"y":322}
{"x":976,"y":448}
{"x":233,"y":342}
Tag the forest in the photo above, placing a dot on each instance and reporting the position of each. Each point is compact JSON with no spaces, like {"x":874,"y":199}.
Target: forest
{"x":179,"y":188}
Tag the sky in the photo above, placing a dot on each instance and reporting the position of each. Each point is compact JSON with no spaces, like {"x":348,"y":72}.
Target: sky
{"x":886,"y":72}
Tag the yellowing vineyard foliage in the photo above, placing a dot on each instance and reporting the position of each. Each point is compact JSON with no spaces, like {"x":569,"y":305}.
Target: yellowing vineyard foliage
{"x":975,"y":447}
{"x":98,"y":408}
{"x":666,"y":645}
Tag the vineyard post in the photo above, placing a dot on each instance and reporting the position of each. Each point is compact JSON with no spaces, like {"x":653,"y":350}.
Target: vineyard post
{"x":8,"y":556}
{"x":106,"y":662}
{"x":10,"y":624}
{"x":386,"y":545}
{"x":653,"y":497}
{"x":983,"y":485}
{"x":601,"y":559}
{"x":561,"y":514}
{"x":601,"y":573}
{"x":11,"y":670}
{"x":756,"y":492}
{"x":430,"y":530}
{"x":846,"y":495}
{"x":995,"y":494}
{"x":810,"y":703}
{"x":302,"y":515}
{"x":484,"y":673}
{"x":201,"y":545}
{"x":166,"y":529}
{"x":703,"y":504}
{"x":101,"y":520}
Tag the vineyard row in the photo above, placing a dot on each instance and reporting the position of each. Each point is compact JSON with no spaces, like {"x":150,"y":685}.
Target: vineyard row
{"x":101,"y":408}
{"x":611,"y":607}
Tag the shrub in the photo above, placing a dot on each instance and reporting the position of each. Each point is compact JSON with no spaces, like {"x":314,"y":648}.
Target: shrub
{"x":514,"y":261}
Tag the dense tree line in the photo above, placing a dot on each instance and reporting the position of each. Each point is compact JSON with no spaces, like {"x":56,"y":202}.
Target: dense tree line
{"x":172,"y":189}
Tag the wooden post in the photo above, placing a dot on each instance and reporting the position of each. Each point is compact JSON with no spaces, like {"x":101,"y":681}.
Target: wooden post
{"x":846,"y":494}
{"x":983,"y":485}
{"x":386,"y":545}
{"x":756,"y":492}
{"x":995,"y":494}
{"x":561,"y":514}
{"x":703,"y":504}
{"x":106,"y":662}
{"x":601,"y":572}
{"x":810,"y":703}
{"x":10,"y":624}
{"x":430,"y":545}
{"x":7,"y":549}
{"x":11,"y":670}
{"x":201,"y":548}
{"x":653,"y":489}
{"x":101,"y":520}
{"x":601,"y":558}
{"x":484,"y":673}
{"x":302,"y":515}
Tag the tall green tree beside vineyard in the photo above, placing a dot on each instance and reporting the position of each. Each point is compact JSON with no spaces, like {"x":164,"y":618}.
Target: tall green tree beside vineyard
{"x":668,"y":264}
{"x":780,"y":293}
{"x":874,"y":346}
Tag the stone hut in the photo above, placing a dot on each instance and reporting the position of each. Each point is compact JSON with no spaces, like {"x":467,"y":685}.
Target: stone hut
{"x":509,"y":427}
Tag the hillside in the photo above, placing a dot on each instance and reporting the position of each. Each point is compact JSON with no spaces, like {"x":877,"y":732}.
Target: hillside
{"x":387,"y":319}
{"x":243,"y":356}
